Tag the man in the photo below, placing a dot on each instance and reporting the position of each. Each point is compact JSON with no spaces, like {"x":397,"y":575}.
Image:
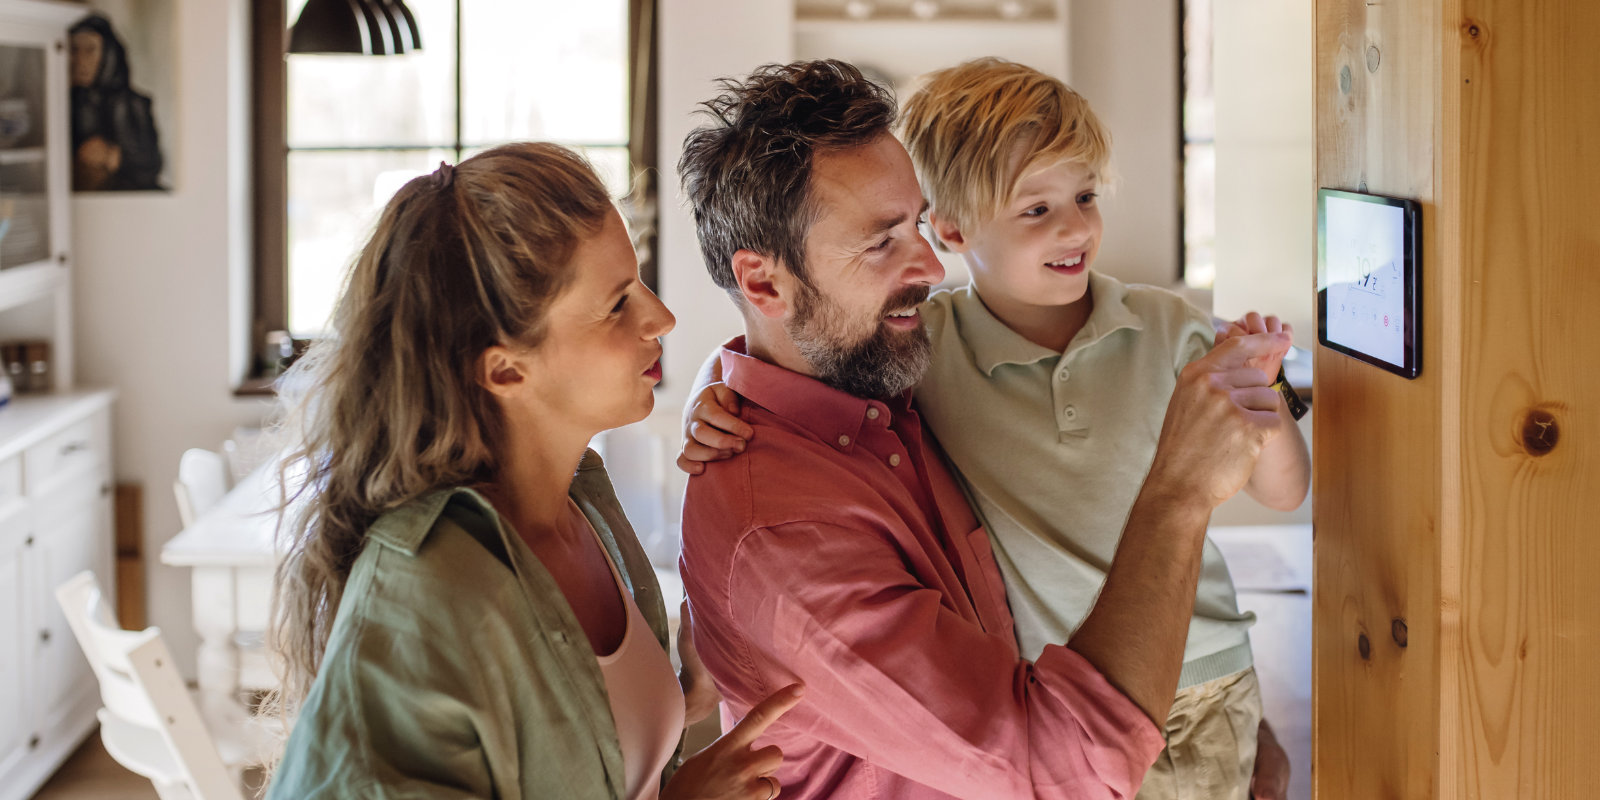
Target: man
{"x":839,"y":551}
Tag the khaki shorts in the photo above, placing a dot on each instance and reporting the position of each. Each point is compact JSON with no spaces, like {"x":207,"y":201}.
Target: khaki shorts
{"x":1211,"y":742}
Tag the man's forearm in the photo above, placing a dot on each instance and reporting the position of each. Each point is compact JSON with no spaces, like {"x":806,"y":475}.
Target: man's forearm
{"x":1283,"y":473}
{"x":1136,"y":632}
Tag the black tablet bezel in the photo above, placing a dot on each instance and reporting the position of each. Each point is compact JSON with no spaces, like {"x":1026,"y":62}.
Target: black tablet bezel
{"x":1411,"y":278}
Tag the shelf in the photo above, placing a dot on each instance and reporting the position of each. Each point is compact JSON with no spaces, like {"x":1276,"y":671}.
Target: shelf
{"x":24,"y":284}
{"x":22,"y":155}
{"x":906,"y":23}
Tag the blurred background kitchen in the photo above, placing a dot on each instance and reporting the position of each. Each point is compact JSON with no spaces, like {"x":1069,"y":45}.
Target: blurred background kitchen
{"x":183,"y":185}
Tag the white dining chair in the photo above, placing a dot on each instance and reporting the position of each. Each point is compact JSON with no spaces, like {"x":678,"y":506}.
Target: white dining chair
{"x":202,"y":481}
{"x":149,"y":723}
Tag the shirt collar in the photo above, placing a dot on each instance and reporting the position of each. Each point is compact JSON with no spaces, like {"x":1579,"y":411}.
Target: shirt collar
{"x":831,"y":415}
{"x":993,"y":343}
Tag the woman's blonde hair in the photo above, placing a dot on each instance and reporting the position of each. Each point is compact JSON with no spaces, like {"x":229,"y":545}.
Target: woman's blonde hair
{"x":390,"y":407}
{"x":963,"y":125}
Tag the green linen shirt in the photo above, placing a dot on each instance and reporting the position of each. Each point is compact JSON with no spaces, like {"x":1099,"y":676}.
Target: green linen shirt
{"x":455,"y":667}
{"x":1053,"y":447}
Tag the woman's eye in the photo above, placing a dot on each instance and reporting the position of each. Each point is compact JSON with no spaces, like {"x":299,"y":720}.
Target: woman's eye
{"x":1036,"y":211}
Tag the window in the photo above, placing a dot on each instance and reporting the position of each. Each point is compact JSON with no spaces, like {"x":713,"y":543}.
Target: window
{"x":1199,"y":148}
{"x":489,"y":72}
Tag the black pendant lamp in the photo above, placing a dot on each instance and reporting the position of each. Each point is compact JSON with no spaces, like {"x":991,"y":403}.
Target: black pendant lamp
{"x":357,"y":27}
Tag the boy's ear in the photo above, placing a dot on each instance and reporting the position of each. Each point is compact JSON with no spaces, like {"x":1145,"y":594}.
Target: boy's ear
{"x":948,"y":233}
{"x":758,"y":279}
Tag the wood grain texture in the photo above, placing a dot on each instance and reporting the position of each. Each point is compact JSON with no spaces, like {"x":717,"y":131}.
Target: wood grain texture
{"x":1431,"y":504}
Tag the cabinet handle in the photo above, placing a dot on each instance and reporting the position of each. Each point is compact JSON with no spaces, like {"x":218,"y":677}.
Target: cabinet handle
{"x":33,"y":742}
{"x":44,"y":636}
{"x":105,"y":489}
{"x":28,"y":542}
{"x":73,"y":447}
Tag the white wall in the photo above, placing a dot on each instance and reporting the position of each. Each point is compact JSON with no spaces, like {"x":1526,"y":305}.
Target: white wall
{"x":162,"y":293}
{"x":701,"y":41}
{"x":1266,"y":203}
{"x":1125,"y":62}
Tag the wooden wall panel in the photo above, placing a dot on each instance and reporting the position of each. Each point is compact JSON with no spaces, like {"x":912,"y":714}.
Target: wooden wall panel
{"x":1529,"y":687}
{"x":1456,"y":646}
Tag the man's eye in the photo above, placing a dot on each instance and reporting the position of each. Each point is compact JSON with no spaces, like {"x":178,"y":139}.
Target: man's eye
{"x":620,"y":303}
{"x":883,"y":245}
{"x":1036,"y":211}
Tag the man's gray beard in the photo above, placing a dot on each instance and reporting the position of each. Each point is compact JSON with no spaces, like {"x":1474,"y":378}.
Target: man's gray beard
{"x":885,"y":364}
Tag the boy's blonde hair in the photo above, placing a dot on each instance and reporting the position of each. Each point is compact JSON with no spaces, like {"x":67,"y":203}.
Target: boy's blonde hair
{"x":964,"y":123}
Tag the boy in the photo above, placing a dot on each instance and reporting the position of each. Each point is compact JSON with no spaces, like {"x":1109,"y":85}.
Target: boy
{"x":1048,"y":387}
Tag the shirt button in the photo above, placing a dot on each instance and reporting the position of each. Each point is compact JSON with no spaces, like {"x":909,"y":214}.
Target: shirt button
{"x":844,"y":441}
{"x":1070,"y":413}
{"x":894,"y":460}
{"x":1064,"y":373}
{"x":872,"y":413}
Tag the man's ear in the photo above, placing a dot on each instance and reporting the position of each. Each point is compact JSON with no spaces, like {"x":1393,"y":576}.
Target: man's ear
{"x":500,"y":371}
{"x":758,"y":279}
{"x":948,"y":233}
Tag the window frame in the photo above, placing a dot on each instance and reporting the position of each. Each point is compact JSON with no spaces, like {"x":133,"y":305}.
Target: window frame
{"x":269,"y":77}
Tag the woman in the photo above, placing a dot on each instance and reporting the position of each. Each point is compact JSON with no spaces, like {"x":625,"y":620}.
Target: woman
{"x":459,"y":559}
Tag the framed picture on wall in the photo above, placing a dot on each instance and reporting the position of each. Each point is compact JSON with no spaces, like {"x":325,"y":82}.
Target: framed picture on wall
{"x":123,"y":93}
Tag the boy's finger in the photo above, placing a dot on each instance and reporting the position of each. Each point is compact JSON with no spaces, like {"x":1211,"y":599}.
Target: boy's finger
{"x":1254,"y":324}
{"x":763,"y":715}
{"x":727,"y":399}
{"x":695,"y":451}
{"x":710,"y":436}
{"x":1274,"y":325}
{"x":720,"y":418}
{"x":689,"y":466}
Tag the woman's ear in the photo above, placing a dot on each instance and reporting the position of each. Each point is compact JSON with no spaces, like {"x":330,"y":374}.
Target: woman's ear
{"x":948,"y":233}
{"x":501,"y":371}
{"x":757,"y":276}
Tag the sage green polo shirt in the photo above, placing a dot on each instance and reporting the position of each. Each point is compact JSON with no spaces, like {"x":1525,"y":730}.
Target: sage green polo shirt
{"x":1053,"y":448}
{"x":456,"y":669}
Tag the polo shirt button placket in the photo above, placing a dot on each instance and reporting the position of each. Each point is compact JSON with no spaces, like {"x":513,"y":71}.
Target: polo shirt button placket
{"x":1063,"y":374}
{"x":872,"y":413}
{"x":894,"y":459}
{"x":844,"y":441}
{"x":1070,"y":412}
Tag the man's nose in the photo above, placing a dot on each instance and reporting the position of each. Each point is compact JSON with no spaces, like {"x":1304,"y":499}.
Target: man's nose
{"x":925,"y":267}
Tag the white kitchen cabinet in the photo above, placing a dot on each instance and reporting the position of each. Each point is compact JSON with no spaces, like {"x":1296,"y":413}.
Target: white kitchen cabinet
{"x":54,"y":523}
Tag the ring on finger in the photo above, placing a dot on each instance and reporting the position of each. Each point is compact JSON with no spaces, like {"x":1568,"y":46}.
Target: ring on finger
{"x":773,"y":787}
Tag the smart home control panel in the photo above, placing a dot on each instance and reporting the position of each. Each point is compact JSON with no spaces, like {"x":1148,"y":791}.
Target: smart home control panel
{"x":1369,"y":300}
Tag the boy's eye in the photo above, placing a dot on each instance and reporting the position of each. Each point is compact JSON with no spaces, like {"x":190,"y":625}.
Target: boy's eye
{"x":1036,"y":211}
{"x":1087,"y":197}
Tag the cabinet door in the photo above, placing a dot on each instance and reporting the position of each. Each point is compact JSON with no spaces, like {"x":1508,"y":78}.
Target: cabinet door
{"x":16,"y":718}
{"x":65,"y":544}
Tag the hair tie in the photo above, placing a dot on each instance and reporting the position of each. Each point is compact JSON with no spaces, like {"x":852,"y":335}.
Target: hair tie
{"x":444,"y":176}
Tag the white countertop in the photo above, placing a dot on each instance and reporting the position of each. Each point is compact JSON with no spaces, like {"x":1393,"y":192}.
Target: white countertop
{"x":29,"y":418}
{"x":238,"y":532}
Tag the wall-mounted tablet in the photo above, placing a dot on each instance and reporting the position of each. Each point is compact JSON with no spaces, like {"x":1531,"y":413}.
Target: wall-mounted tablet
{"x":1369,"y":266}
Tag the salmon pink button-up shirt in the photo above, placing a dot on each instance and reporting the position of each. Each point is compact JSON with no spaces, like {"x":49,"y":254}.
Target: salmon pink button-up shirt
{"x":839,"y":551}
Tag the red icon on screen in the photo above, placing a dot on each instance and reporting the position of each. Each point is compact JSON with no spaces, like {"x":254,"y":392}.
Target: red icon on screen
{"x":1385,"y":320}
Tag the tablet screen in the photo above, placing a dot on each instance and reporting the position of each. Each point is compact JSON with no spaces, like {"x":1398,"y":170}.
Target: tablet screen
{"x":1366,"y":265}
{"x":1368,"y":295}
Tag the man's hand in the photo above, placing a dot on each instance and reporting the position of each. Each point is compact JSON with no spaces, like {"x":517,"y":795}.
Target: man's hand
{"x":1271,"y":780}
{"x":1221,"y":414}
{"x":700,"y":695}
{"x":1255,"y":323}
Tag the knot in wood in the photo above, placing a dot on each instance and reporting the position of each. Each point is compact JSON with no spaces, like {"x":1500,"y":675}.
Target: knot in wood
{"x":1364,"y":647}
{"x":1540,"y":432}
{"x":1398,"y":630}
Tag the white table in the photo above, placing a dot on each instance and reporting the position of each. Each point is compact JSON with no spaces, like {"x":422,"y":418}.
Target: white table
{"x":230,"y":549}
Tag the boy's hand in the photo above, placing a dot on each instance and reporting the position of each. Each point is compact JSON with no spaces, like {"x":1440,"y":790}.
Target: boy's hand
{"x":1255,"y":323}
{"x":1271,"y":778}
{"x":712,"y":430}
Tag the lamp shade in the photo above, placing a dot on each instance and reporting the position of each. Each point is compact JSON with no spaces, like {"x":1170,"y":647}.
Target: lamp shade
{"x":355,"y":27}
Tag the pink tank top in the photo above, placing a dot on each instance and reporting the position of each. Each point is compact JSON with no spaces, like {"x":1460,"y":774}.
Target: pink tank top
{"x":646,"y":700}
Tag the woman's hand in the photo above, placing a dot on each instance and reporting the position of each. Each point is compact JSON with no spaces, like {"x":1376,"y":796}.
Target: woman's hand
{"x":729,"y":769}
{"x":700,"y":695}
{"x":712,"y":430}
